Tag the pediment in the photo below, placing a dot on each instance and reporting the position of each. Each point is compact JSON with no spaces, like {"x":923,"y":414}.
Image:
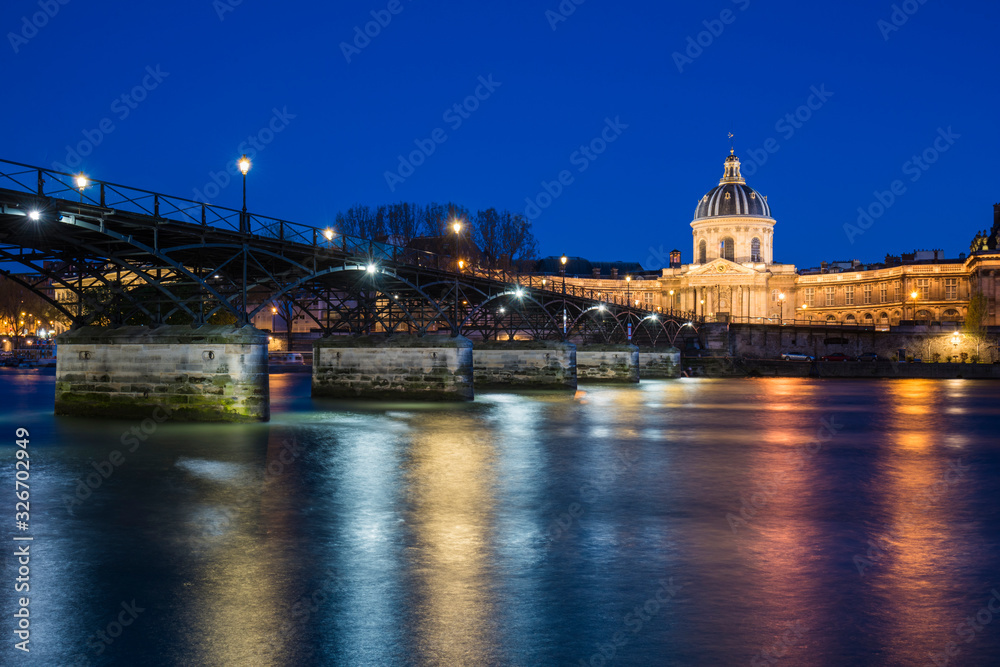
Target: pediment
{"x":722,"y":267}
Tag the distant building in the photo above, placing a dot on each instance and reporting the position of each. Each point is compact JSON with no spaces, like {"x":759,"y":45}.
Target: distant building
{"x":733,"y":275}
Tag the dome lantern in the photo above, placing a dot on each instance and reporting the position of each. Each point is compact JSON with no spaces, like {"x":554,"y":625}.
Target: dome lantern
{"x":732,"y":197}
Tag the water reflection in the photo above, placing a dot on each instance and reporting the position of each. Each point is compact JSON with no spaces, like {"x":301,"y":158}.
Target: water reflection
{"x":363,"y":534}
{"x":451,"y":513}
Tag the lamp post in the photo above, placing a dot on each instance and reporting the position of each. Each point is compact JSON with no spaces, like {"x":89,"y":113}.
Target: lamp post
{"x":244,"y":165}
{"x":628,"y":290}
{"x":562,"y":271}
{"x":781,"y":308}
{"x":81,"y":183}
{"x":671,"y":302}
{"x":913,"y":308}
{"x":457,"y":227}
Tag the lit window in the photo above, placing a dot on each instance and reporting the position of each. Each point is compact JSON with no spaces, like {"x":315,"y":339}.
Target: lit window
{"x":849,"y":295}
{"x":810,"y":296}
{"x":951,"y":288}
{"x":867,"y":294}
{"x":727,"y":249}
{"x":830,"y":298}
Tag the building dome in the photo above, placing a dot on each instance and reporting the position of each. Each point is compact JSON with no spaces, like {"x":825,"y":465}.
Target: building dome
{"x":732,"y":197}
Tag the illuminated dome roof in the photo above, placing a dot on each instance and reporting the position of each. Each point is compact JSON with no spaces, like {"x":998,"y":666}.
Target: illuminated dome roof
{"x":732,"y":196}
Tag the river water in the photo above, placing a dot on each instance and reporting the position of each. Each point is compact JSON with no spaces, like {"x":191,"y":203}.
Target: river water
{"x":694,"y":521}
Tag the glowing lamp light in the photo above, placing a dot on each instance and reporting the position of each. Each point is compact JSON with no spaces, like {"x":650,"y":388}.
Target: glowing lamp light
{"x":502,"y":310}
{"x":244,"y":165}
{"x":82,"y":181}
{"x":371,"y":268}
{"x":600,"y":307}
{"x":563,"y":260}
{"x":457,"y":226}
{"x":519,"y":293}
{"x":781,"y":296}
{"x":34,"y":215}
{"x":328,"y":233}
{"x":274,"y":311}
{"x":461,"y":264}
{"x":628,"y":279}
{"x":913,"y":295}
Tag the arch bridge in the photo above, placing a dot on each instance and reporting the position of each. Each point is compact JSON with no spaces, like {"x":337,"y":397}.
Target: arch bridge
{"x":119,"y":255}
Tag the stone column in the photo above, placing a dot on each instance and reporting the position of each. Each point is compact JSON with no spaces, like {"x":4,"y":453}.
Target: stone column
{"x":212,"y":373}
{"x":532,"y":364}
{"x":436,"y":368}
{"x":659,"y":362}
{"x":607,"y":363}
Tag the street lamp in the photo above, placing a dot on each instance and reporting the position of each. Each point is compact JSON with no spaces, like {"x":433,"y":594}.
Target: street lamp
{"x":562,"y":272}
{"x":913,"y":295}
{"x":329,"y":234}
{"x":628,"y":289}
{"x":781,"y":302}
{"x":244,"y":165}
{"x":81,"y":183}
{"x":457,"y":228}
{"x":671,"y":302}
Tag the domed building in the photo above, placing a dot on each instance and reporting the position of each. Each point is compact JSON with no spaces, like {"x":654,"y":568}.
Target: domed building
{"x":733,"y":275}
{"x":733,"y":221}
{"x":733,"y":251}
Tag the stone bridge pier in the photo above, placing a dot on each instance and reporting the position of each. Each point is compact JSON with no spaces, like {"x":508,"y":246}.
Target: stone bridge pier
{"x":212,"y":373}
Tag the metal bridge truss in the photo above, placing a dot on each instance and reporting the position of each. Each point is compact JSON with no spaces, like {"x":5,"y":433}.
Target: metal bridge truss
{"x":117,"y":255}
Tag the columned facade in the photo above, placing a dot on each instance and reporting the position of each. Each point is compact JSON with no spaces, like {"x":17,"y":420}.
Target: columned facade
{"x":733,"y":277}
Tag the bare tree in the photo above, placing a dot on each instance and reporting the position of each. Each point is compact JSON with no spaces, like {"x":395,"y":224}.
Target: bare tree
{"x":402,"y":223}
{"x":489,"y":235}
{"x":517,"y":240}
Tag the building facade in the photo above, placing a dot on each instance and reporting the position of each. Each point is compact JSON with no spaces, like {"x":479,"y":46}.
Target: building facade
{"x":734,"y":277}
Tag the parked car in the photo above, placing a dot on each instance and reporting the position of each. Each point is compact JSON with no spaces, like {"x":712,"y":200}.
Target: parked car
{"x":868,"y":356}
{"x":837,"y":356}
{"x":795,"y":356}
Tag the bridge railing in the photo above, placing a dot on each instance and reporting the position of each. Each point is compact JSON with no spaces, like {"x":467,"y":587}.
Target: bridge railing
{"x":48,"y":183}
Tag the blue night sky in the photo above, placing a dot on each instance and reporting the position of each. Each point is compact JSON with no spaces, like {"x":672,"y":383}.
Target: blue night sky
{"x":218,"y":73}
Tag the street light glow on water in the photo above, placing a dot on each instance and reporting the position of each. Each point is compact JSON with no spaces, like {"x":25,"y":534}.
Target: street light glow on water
{"x":694,"y":521}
